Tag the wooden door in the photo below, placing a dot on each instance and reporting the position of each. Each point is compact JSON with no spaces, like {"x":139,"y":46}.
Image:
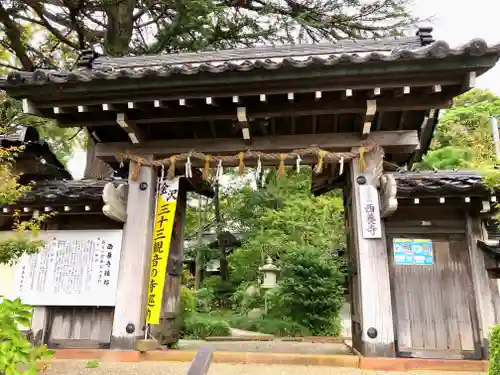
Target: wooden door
{"x":434,"y":309}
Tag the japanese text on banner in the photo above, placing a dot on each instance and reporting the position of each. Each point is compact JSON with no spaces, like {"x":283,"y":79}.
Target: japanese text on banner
{"x":166,"y":203}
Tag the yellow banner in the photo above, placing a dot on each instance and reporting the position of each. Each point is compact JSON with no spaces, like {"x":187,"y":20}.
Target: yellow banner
{"x":166,"y":203}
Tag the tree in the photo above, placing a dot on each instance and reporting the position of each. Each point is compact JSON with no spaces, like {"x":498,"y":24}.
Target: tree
{"x":280,"y":216}
{"x":49,"y":33}
{"x":463,"y":135}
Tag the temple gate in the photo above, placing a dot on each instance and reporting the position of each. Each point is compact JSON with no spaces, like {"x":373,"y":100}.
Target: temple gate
{"x":354,"y":110}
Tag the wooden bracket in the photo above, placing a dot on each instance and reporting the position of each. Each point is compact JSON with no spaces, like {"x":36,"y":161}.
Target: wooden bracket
{"x":115,"y":201}
{"x":388,"y":190}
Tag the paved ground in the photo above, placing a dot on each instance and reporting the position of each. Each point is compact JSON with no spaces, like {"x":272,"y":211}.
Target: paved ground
{"x":266,"y":347}
{"x":76,"y":367}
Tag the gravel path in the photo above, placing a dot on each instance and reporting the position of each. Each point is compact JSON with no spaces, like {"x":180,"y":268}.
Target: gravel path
{"x":77,"y":367}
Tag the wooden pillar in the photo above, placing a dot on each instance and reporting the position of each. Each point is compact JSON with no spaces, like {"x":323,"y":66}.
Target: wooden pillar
{"x":168,"y":331}
{"x":131,"y":294}
{"x":480,"y":281}
{"x":373,"y":330}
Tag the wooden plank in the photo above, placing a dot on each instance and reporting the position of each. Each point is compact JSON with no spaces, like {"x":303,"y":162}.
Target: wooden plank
{"x":398,"y":141}
{"x":463,"y":307}
{"x":450,"y":285}
{"x":480,"y":280}
{"x":201,"y":362}
{"x":260,"y":110}
{"x":373,"y":273}
{"x":134,"y":263}
{"x":400,"y":301}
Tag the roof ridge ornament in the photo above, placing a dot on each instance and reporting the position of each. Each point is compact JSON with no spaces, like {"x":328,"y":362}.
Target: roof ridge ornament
{"x":425,"y":35}
{"x":86,"y":58}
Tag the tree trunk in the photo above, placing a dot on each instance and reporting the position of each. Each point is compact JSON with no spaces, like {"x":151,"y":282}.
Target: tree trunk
{"x":198,"y":261}
{"x":218,"y":225}
{"x":95,"y":168}
{"x":120,"y":27}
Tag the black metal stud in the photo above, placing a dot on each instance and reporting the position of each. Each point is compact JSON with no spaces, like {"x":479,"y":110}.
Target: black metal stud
{"x":372,"y":332}
{"x":361,"y":180}
{"x":143,"y":186}
{"x":130,"y":328}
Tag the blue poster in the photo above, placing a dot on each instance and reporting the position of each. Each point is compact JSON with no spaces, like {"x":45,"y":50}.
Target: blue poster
{"x":413,"y":252}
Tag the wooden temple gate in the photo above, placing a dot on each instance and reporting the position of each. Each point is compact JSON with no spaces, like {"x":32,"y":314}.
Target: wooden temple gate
{"x":377,"y":101}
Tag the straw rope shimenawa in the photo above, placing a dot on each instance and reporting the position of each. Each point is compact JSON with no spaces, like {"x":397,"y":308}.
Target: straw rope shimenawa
{"x":211,"y":160}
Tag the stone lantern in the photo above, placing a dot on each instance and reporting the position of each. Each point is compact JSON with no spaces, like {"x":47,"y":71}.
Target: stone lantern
{"x":270,"y":274}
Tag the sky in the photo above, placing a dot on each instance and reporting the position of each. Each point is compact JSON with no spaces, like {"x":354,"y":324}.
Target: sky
{"x":454,"y":22}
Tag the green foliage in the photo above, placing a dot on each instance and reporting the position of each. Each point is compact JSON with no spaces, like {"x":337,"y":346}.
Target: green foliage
{"x":144,"y":27}
{"x":221,"y":291}
{"x":310,"y":290}
{"x":280,"y":327}
{"x":188,"y":302}
{"x":280,"y":216}
{"x":17,"y":355}
{"x":93,"y":364}
{"x":205,"y":300}
{"x":494,"y":368}
{"x":243,"y":302}
{"x":463,"y":137}
{"x":201,"y":326}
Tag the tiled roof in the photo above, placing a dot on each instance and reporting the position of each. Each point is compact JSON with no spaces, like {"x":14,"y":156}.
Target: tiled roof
{"x":250,"y":59}
{"x":66,"y":191}
{"x":439,"y":183}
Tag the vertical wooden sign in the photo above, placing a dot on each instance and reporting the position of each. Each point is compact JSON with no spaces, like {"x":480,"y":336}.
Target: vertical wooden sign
{"x":370,"y":211}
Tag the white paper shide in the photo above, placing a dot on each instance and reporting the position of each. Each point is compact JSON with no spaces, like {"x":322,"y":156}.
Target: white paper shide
{"x":370,"y":211}
{"x":75,"y":268}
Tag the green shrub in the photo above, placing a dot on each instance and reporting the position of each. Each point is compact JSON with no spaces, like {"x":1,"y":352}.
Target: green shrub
{"x":495,"y":351}
{"x":277,"y":327}
{"x":310,"y":291}
{"x":242,"y":302}
{"x":16,"y":351}
{"x":205,"y":300}
{"x":222,"y":291}
{"x":188,"y":301}
{"x":201,"y":326}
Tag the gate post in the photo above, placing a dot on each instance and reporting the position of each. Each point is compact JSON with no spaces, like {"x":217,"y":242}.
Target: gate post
{"x":372,"y":326}
{"x":131,"y":294}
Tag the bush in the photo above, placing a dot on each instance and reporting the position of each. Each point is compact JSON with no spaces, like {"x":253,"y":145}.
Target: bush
{"x":276,"y":327}
{"x":495,"y":351}
{"x":15,"y":350}
{"x":243,"y":302}
{"x":188,"y":302}
{"x":222,"y":291}
{"x":201,"y":326}
{"x":205,"y":300}
{"x":310,"y":291}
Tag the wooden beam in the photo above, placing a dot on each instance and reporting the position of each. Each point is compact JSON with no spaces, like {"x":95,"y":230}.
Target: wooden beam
{"x":469,"y":81}
{"x":134,"y":133}
{"x":371,"y":109}
{"x":243,"y":122}
{"x":262,"y":109}
{"x":395,"y":141}
{"x":29,"y":107}
{"x":405,"y":90}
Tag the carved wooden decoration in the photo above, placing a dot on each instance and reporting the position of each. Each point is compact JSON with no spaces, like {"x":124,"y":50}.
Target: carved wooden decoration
{"x":388,"y":190}
{"x":115,"y":201}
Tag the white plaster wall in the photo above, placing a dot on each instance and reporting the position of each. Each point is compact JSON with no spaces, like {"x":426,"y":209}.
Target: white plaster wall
{"x":6,"y":280}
